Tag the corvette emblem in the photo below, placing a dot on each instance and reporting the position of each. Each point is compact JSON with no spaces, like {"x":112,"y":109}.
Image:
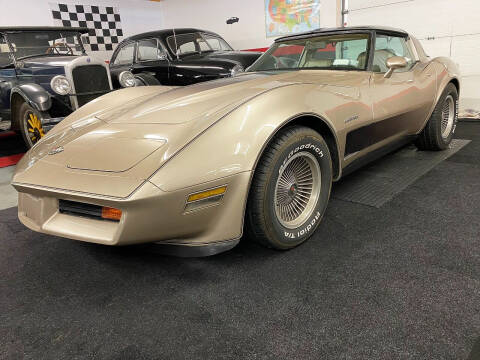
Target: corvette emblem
{"x":56,"y":150}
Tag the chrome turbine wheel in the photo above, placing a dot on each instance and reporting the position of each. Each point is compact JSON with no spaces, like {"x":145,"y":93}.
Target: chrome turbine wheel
{"x":448,"y":116}
{"x":297,"y":190}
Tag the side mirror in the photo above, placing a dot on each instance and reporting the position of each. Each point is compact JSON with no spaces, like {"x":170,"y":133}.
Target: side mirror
{"x":394,"y":63}
{"x":162,"y":57}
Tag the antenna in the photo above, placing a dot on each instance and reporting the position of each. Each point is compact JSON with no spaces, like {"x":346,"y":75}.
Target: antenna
{"x":176,"y":48}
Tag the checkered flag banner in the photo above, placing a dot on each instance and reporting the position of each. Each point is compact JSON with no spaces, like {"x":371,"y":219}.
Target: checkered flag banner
{"x":103,"y":23}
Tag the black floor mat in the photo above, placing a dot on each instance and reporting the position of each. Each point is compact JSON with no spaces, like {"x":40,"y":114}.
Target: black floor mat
{"x":380,"y":181}
{"x":399,"y":282}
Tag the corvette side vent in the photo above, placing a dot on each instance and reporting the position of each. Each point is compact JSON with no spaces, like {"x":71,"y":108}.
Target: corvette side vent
{"x":88,"y":210}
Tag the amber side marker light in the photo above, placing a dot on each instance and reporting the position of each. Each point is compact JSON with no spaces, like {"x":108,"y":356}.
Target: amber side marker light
{"x":207,"y":193}
{"x":205,"y":198}
{"x":111,"y":213}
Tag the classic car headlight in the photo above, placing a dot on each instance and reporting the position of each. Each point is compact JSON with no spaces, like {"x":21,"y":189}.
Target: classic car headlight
{"x":61,"y":85}
{"x":126,"y":79}
{"x":236,"y":70}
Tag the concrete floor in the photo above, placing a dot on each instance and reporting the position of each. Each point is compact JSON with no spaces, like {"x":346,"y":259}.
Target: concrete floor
{"x":8,"y":195}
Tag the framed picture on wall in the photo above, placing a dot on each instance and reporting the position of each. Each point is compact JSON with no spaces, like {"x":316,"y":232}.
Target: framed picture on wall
{"x":283,"y":17}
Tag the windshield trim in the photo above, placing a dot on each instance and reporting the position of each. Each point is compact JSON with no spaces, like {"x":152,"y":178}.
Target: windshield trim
{"x":217,"y":37}
{"x":191,"y":52}
{"x":370,"y":39}
{"x":15,"y":58}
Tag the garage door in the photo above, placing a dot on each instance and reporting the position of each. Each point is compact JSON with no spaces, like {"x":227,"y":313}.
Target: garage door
{"x":444,"y":27}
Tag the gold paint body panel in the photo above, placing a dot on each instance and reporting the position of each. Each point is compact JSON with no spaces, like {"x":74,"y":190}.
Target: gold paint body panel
{"x":145,"y":150}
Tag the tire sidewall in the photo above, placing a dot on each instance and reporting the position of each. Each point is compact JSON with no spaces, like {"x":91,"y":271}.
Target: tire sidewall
{"x":287,"y":238}
{"x":450,"y":90}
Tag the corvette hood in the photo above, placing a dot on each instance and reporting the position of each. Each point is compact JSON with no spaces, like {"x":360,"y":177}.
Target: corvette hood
{"x":185,"y":104}
{"x":115,"y":151}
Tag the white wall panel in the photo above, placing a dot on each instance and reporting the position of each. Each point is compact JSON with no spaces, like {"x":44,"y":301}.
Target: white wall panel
{"x":362,"y":4}
{"x":248,"y":33}
{"x":444,"y":27}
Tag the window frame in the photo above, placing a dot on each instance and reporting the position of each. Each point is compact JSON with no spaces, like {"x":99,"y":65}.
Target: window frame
{"x":406,"y":39}
{"x":203,"y":34}
{"x":370,"y":43}
{"x":119,"y":49}
{"x":159,"y":46}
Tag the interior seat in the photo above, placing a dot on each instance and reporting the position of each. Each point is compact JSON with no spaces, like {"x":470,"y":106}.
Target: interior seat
{"x":379,"y":60}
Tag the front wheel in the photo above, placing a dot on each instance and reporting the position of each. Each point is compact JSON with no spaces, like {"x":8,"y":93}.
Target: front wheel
{"x":290,"y":189}
{"x":438,"y":132}
{"x":29,"y":124}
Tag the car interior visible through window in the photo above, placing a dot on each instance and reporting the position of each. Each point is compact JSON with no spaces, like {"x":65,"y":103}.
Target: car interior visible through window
{"x":125,"y":55}
{"x":148,"y":50}
{"x":345,"y":52}
{"x":387,"y":46}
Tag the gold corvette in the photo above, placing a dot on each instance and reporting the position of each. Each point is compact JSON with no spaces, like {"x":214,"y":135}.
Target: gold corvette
{"x":194,"y":167}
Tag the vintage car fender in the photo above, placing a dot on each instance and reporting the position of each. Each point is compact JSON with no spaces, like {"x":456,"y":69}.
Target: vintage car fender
{"x":35,"y":95}
{"x":239,"y":138}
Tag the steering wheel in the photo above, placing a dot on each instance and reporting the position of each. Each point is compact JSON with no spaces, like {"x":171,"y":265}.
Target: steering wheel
{"x":54,"y":49}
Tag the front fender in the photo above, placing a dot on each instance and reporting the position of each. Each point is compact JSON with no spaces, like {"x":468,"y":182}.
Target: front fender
{"x":234,"y":144}
{"x":34,"y":95}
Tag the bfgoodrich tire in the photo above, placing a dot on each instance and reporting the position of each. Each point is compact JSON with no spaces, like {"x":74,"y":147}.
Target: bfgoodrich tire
{"x":438,"y":132}
{"x":290,"y":189}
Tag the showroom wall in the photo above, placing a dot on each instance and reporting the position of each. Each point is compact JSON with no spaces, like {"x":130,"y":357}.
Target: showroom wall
{"x":248,"y":33}
{"x":444,"y":27}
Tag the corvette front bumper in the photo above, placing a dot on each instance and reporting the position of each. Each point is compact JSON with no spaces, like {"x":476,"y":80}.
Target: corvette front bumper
{"x":148,"y":215}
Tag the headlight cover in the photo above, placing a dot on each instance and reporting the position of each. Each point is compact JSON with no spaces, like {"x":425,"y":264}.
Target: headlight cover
{"x":237,"y":69}
{"x":126,"y":79}
{"x":61,"y":85}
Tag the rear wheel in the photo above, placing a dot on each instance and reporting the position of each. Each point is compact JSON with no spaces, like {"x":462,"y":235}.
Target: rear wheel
{"x":290,"y":189}
{"x":438,"y":132}
{"x":29,"y":124}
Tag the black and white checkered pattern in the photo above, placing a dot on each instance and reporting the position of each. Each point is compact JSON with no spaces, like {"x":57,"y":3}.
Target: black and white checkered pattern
{"x":103,"y":23}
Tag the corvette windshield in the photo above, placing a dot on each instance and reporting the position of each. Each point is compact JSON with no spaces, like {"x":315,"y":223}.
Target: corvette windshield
{"x":342,"y":52}
{"x":27,"y":44}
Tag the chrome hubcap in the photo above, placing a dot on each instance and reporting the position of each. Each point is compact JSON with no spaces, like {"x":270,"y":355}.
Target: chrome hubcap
{"x":448,"y":116}
{"x":297,"y":190}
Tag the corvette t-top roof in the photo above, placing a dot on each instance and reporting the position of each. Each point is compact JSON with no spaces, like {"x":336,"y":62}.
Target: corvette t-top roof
{"x":340,"y":30}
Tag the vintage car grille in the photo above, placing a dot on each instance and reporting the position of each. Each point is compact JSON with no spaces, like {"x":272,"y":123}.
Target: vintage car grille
{"x":90,"y":81}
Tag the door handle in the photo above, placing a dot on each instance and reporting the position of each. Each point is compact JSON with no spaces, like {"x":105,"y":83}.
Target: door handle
{"x":409,"y":81}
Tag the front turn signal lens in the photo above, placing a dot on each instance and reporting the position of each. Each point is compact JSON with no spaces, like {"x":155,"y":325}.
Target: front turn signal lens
{"x":111,"y":213}
{"x":207,"y":194}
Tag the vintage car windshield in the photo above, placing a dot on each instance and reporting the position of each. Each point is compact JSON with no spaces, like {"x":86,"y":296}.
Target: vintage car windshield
{"x":337,"y":52}
{"x":27,"y":44}
{"x":196,"y":43}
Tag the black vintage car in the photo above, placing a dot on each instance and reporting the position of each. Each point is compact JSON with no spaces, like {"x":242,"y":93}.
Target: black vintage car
{"x":45,"y":74}
{"x":176,"y":57}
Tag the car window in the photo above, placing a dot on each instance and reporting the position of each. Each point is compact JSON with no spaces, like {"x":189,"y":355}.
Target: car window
{"x":216,"y":43}
{"x":148,"y":50}
{"x":5,"y":58}
{"x":187,"y":44}
{"x":388,"y":46}
{"x":323,"y":52}
{"x":125,"y":55}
